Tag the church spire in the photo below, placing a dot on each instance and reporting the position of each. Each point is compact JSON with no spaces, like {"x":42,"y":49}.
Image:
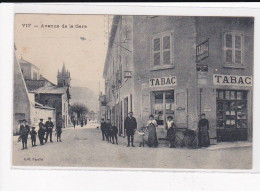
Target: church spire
{"x":63,"y":69}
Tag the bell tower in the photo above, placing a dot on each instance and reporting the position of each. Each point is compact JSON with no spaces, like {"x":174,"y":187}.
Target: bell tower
{"x":63,"y":77}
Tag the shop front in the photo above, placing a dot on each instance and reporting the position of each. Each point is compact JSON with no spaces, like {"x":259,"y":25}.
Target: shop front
{"x":233,"y":107}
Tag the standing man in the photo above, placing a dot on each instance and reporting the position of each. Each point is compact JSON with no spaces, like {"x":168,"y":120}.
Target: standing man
{"x":23,"y":134}
{"x":130,"y":127}
{"x":103,"y":127}
{"x":58,"y":129}
{"x":108,"y":131}
{"x":74,"y":123}
{"x":41,"y":132}
{"x":49,"y":127}
{"x":203,"y":131}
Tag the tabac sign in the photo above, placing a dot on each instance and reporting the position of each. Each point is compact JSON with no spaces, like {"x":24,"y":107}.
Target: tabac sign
{"x":232,"y":80}
{"x":163,"y":81}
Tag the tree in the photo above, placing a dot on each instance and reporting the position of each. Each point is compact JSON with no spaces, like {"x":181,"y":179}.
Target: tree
{"x":80,"y":109}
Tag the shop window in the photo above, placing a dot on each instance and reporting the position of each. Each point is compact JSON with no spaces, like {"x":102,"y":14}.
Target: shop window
{"x":231,"y":115}
{"x":233,"y":48}
{"x":163,"y":105}
{"x":162,"y":50}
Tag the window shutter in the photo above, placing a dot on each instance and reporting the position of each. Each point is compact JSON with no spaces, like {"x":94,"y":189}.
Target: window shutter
{"x":166,"y":42}
{"x":166,"y":57}
{"x":156,"y":44}
{"x":228,"y":40}
{"x":238,"y":56}
{"x":157,"y":59}
{"x":166,"y":50}
{"x":238,"y":42}
{"x":238,"y":49}
{"x":229,"y":56}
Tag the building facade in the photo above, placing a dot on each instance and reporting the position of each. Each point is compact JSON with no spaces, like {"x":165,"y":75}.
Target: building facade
{"x":25,"y":106}
{"x":182,"y":66}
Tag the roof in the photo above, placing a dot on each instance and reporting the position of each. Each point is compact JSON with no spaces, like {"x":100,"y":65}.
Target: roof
{"x":38,"y":105}
{"x":27,"y":62}
{"x":111,"y":41}
{"x":34,"y":84}
{"x":51,"y":90}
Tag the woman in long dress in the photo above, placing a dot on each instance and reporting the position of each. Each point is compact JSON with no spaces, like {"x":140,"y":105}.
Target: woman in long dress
{"x":203,"y":131}
{"x":152,"y":136}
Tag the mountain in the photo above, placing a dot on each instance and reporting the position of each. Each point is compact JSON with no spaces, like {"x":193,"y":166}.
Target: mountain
{"x":85,"y":96}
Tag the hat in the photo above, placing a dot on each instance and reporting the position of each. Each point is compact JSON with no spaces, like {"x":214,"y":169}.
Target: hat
{"x":24,"y":120}
{"x":33,"y":127}
{"x":130,"y":112}
{"x":49,"y":117}
{"x":169,"y":117}
{"x":41,"y":119}
{"x":203,"y":114}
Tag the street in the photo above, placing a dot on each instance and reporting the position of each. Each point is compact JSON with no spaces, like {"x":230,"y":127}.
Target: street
{"x":83,"y":147}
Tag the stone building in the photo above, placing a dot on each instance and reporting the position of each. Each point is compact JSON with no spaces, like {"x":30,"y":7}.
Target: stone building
{"x":25,"y":106}
{"x":182,"y":66}
{"x":57,"y":96}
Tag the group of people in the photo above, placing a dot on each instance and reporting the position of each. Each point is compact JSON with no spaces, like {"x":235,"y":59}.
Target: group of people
{"x":109,"y":131}
{"x":148,"y":134}
{"x":82,"y":122}
{"x":45,"y":130}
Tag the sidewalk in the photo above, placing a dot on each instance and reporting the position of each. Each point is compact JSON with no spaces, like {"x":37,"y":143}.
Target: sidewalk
{"x":226,"y":145}
{"x":218,"y":146}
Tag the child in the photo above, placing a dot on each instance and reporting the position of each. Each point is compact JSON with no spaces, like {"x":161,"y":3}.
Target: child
{"x":141,"y":133}
{"x":33,"y":136}
{"x":114,"y":132}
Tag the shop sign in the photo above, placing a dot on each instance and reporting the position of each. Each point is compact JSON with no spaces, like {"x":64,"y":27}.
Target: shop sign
{"x":202,"y":50}
{"x":233,"y":80}
{"x":207,"y":109}
{"x":163,"y":81}
{"x":127,"y":74}
{"x":202,"y":67}
{"x":202,"y":78}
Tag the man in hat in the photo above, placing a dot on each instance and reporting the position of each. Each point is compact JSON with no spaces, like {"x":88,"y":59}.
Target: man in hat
{"x":130,"y":127}
{"x":41,"y":132}
{"x":49,"y":127}
{"x":24,"y":133}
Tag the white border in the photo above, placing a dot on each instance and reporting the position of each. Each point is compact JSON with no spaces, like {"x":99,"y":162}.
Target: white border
{"x":118,"y":178}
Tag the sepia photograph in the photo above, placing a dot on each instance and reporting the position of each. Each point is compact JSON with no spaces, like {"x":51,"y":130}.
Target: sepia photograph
{"x":133,"y":91}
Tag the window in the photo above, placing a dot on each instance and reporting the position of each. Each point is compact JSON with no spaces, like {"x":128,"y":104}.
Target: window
{"x":162,"y":50}
{"x":233,"y":47}
{"x":163,"y":105}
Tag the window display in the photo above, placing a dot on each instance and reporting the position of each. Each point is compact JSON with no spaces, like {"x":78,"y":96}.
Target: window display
{"x":231,"y":114}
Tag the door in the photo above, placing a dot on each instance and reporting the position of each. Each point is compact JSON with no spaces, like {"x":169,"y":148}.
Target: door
{"x":125,"y":110}
{"x":163,"y":105}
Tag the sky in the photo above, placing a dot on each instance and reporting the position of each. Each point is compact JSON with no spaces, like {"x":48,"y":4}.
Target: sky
{"x":48,"y":48}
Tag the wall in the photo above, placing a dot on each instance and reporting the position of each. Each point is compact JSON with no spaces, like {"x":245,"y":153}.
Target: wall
{"x":212,"y":28}
{"x":38,"y":113}
{"x":184,"y":41}
{"x":26,"y":70}
{"x":21,"y":106}
{"x":54,"y":101}
{"x":120,"y":60}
